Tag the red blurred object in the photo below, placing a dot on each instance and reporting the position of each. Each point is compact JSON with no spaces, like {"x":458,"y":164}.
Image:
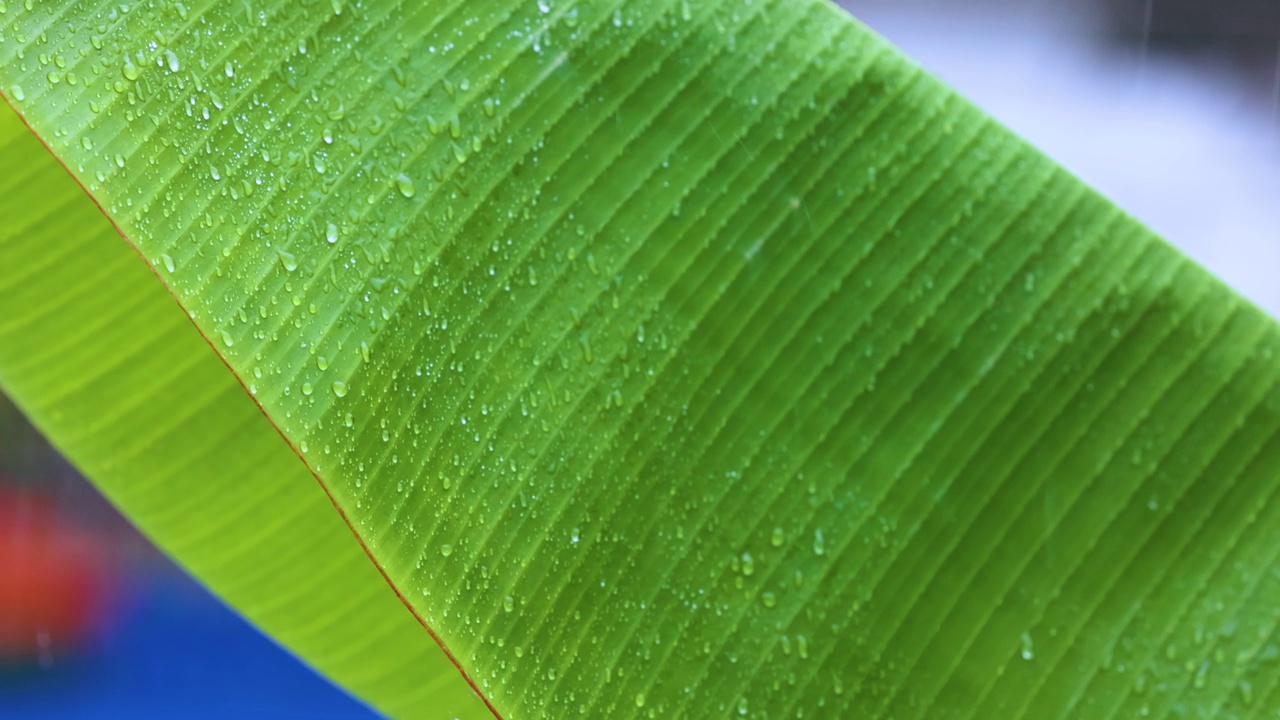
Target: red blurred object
{"x":53,"y":577}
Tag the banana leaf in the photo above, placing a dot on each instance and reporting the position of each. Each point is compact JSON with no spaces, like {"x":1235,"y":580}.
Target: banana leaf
{"x":595,"y":358}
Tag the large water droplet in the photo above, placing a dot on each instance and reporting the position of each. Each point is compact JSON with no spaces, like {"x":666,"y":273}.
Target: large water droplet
{"x":404,"y":184}
{"x":287,"y":259}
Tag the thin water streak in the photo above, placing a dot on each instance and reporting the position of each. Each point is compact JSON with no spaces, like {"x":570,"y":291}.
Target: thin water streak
{"x":1275,"y":99}
{"x":1148,"y":12}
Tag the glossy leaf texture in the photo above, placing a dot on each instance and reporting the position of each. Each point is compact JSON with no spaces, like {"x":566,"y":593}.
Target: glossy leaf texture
{"x":671,"y":359}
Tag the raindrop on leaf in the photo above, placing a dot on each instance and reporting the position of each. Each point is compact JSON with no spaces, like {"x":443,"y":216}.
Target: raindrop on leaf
{"x":404,"y":184}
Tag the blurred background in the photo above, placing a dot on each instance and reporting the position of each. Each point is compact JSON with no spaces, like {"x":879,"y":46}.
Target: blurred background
{"x":1170,"y":107}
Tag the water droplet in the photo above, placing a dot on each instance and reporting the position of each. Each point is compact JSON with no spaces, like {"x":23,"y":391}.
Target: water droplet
{"x":404,"y":184}
{"x":172,"y":59}
{"x":777,"y":538}
{"x":287,"y":259}
{"x":229,"y":69}
{"x":339,"y":388}
{"x":508,"y":603}
{"x":544,"y":7}
{"x":1201,"y":677}
{"x":769,"y":599}
{"x":129,"y":70}
{"x":226,"y":338}
{"x":748,"y":565}
{"x":18,"y":93}
{"x":1028,"y":650}
{"x":331,"y":233}
{"x":168,"y":263}
{"x":819,"y":543}
{"x":446,"y":549}
{"x":307,"y":389}
{"x":639,"y":699}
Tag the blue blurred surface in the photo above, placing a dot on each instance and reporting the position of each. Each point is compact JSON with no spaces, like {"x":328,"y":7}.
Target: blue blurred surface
{"x":173,"y":651}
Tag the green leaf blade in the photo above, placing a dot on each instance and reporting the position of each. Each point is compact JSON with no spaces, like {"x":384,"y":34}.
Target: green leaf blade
{"x":100,"y":357}
{"x":699,"y":359}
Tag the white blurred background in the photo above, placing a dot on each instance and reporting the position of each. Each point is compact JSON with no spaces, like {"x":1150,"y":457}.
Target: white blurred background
{"x":1169,"y":107}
